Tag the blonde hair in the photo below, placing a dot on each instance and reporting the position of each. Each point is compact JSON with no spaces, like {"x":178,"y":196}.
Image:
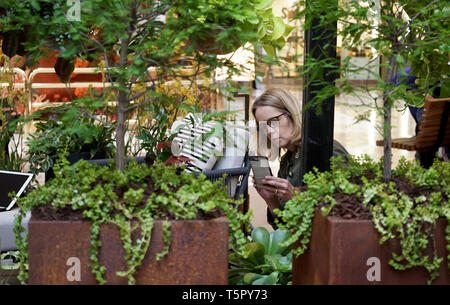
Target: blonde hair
{"x":285,"y":102}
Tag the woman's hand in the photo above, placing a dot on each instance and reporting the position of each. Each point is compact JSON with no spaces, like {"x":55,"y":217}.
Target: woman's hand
{"x":265,"y":191}
{"x":280,"y":187}
{"x":268,"y":194}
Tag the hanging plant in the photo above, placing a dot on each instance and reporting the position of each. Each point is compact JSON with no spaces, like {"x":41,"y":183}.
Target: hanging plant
{"x":64,"y":68}
{"x":13,"y":43}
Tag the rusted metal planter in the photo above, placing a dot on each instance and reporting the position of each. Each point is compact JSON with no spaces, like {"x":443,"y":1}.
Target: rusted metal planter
{"x":198,"y":253}
{"x":9,"y":277}
{"x":340,"y":250}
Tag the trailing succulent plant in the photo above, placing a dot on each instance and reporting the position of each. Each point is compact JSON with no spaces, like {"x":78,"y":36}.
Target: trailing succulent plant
{"x":263,"y":261}
{"x":395,"y":214}
{"x":93,"y":191}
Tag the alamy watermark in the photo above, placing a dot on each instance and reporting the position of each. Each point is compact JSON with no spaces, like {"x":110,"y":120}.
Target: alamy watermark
{"x":74,"y":10}
{"x":230,"y":138}
{"x":374,"y":272}
{"x":73,"y":274}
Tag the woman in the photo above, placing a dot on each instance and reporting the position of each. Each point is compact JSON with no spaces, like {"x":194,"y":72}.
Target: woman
{"x":279,"y":114}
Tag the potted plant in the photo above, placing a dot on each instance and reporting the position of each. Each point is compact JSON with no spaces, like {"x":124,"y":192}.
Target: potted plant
{"x":12,"y":106}
{"x":341,"y":216}
{"x":68,"y":128}
{"x":351,"y":217}
{"x":9,"y":160}
{"x":263,"y":261}
{"x":143,"y":225}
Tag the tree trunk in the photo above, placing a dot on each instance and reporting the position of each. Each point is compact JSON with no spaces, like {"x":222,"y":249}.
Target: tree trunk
{"x":122,"y":103}
{"x":120,"y":131}
{"x":387,"y":149}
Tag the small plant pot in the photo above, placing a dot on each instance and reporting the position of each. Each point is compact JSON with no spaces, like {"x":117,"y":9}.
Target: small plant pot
{"x":198,"y":254}
{"x":348,"y":252}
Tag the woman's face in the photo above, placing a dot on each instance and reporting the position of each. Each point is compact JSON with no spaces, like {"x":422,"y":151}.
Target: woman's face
{"x":281,"y":129}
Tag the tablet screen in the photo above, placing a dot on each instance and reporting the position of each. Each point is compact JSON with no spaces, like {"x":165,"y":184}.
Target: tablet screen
{"x":12,"y":182}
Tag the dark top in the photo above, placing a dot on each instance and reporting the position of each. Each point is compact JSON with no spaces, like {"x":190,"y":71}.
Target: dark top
{"x":290,"y":169}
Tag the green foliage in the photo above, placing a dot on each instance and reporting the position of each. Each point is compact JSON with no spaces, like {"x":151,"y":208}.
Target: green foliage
{"x":10,"y":255}
{"x":166,"y":238}
{"x":420,"y":40}
{"x":132,"y":36}
{"x":9,"y":160}
{"x":263,"y":261}
{"x":408,"y":218}
{"x":9,"y":268}
{"x":236,"y":22}
{"x":70,"y":129}
{"x":10,"y":128}
{"x":176,"y":195}
{"x":156,"y":134}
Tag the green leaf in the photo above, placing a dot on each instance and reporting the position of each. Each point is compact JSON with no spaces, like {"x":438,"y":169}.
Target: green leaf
{"x":254,"y":252}
{"x":276,"y":239}
{"x":249,"y":278}
{"x":270,"y":279}
{"x":445,"y":87}
{"x":263,"y":4}
{"x":288,"y":29}
{"x":262,"y":30}
{"x":281,"y":264}
{"x":278,"y":28}
{"x":270,"y":50}
{"x":399,"y":59}
{"x":262,"y":236}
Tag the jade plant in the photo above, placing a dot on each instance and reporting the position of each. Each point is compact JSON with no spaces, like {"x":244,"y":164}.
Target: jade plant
{"x":408,"y":217}
{"x":263,"y":261}
{"x":145,"y":194}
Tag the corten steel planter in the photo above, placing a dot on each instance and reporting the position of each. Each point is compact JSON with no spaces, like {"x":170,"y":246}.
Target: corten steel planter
{"x":339,"y":251}
{"x":198,"y":253}
{"x":9,"y":277}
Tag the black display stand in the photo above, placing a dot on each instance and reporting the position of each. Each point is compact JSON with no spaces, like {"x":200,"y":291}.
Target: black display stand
{"x":317,"y":130}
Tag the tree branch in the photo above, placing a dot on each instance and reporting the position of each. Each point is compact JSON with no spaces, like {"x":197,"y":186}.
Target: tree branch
{"x":139,"y":104}
{"x":416,"y":16}
{"x":87,"y":114}
{"x":104,"y":52}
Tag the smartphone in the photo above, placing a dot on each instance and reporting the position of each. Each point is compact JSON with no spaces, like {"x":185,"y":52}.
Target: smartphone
{"x":261,"y":168}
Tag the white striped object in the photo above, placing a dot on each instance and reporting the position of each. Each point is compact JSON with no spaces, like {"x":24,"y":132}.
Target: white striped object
{"x":198,"y":141}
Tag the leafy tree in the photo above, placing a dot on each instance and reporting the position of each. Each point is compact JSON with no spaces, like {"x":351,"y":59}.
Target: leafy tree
{"x":130,"y":36}
{"x":402,"y":33}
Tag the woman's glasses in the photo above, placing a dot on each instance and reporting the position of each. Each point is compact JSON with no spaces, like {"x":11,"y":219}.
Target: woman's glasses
{"x":270,"y":121}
